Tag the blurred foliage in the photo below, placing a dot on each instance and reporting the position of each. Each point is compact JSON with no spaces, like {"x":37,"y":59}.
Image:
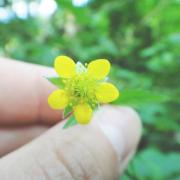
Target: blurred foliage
{"x":142,"y":40}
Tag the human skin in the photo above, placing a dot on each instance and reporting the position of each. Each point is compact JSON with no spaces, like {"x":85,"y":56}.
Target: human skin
{"x":33,"y":144}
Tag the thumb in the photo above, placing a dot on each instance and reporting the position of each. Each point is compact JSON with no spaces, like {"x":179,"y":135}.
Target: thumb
{"x":99,"y":150}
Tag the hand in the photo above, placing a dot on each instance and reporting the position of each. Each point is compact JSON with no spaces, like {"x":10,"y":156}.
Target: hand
{"x":100,"y":150}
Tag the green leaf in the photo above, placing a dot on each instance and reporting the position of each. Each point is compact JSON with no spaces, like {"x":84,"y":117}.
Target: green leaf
{"x":56,"y":81}
{"x":137,"y":98}
{"x":67,"y":110}
{"x":163,"y":165}
{"x":70,"y":122}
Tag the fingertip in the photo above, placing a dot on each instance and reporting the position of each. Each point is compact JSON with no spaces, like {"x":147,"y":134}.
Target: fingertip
{"x":122,"y":127}
{"x":46,"y":114}
{"x":133,"y":122}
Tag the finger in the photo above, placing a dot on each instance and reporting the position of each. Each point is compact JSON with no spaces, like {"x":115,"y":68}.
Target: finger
{"x":95,"y":151}
{"x":24,"y":92}
{"x":12,"y":138}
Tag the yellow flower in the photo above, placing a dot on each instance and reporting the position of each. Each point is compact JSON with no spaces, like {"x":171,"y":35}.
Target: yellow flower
{"x":85,"y":87}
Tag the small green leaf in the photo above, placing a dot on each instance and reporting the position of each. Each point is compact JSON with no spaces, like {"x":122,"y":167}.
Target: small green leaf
{"x":137,"y":98}
{"x":67,"y":110}
{"x":70,"y":122}
{"x":56,"y":81}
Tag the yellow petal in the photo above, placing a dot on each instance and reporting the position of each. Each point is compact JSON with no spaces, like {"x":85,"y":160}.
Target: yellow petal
{"x":83,"y":113}
{"x":58,"y":99}
{"x":106,"y":92}
{"x":65,"y":66}
{"x":99,"y":68}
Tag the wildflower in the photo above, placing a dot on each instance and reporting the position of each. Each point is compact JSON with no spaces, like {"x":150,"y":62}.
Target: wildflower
{"x":84,"y":87}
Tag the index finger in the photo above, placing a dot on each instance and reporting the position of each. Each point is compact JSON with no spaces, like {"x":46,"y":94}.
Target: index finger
{"x":24,"y":92}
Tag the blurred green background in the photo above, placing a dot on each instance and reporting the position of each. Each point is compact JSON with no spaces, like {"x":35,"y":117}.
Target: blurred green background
{"x":140,"y":38}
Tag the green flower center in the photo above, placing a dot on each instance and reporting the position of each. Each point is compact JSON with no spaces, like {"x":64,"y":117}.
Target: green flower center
{"x":82,"y":88}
